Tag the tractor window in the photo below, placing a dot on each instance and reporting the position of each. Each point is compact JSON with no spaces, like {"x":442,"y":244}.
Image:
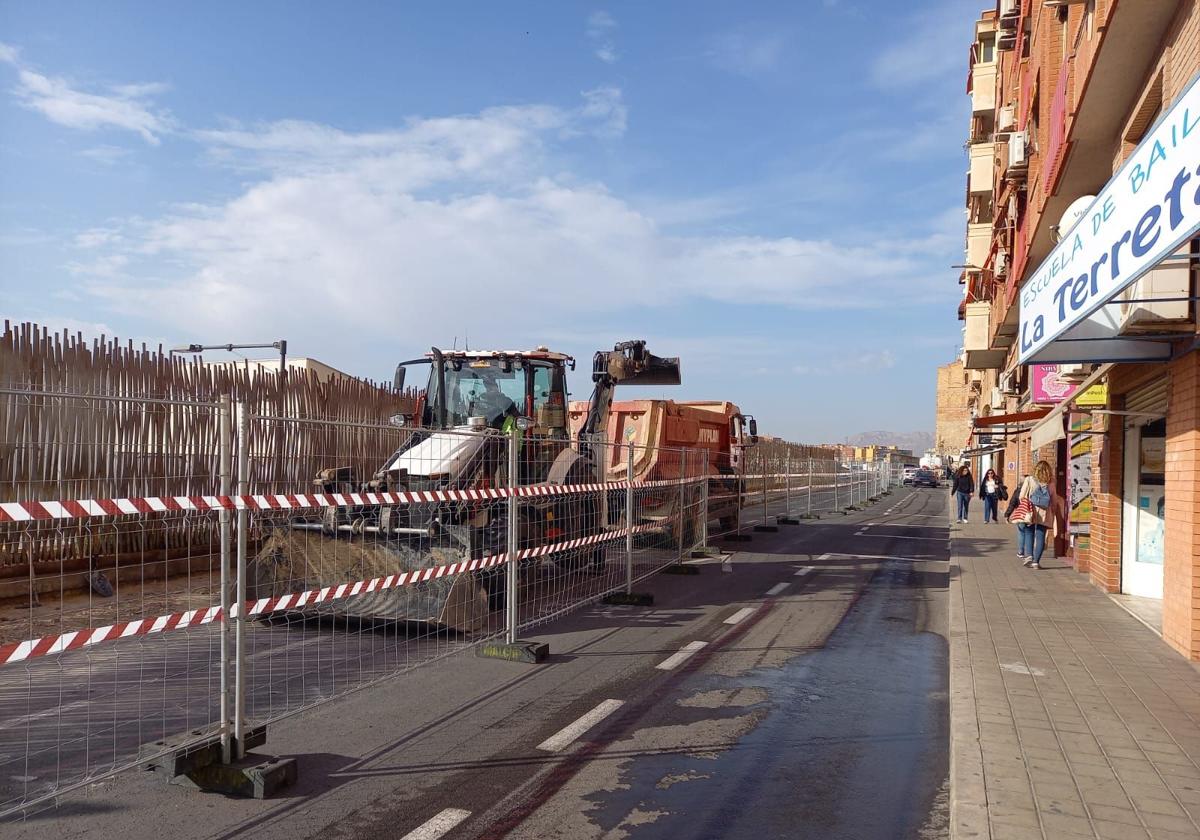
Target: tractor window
{"x":544,"y":385}
{"x":483,"y":389}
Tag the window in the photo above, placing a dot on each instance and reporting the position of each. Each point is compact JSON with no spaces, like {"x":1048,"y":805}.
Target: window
{"x":987,"y":48}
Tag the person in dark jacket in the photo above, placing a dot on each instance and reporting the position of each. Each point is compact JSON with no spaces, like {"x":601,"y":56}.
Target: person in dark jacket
{"x":991,"y":491}
{"x":962,"y":488}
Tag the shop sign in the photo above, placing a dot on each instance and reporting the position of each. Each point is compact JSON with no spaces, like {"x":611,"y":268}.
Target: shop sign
{"x":1047,"y":387}
{"x":1096,"y":396}
{"x":1149,"y":208}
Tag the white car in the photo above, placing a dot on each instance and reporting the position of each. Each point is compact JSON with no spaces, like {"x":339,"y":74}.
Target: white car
{"x":909,"y":474}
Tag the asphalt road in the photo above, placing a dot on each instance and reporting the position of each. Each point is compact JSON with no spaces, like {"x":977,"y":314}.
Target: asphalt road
{"x":820,"y":713}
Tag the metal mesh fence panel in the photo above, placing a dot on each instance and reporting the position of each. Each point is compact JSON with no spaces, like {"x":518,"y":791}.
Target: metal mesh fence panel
{"x":108,"y":639}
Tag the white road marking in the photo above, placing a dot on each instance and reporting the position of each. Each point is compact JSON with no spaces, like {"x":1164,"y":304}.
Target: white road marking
{"x":888,"y":557}
{"x":1022,"y":668}
{"x":568,"y":734}
{"x":777,"y":588}
{"x":439,"y":825}
{"x":900,"y":525}
{"x":740,"y":614}
{"x":898,"y":537}
{"x":679,"y":657}
{"x":825,"y":556}
{"x":804,"y":570}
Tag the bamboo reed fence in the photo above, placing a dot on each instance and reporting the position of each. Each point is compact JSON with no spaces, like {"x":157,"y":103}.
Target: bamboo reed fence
{"x":106,"y":419}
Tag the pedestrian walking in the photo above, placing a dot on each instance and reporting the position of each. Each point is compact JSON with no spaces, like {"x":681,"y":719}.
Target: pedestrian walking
{"x":1013,"y":504}
{"x":962,"y":488}
{"x":1036,"y":514}
{"x":992,"y":492}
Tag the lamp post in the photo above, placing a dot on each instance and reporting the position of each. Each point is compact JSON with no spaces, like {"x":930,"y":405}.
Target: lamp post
{"x":280,"y":345}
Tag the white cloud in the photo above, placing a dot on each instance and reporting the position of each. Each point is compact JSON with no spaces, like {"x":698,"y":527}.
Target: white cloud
{"x":601,"y":27}
{"x":106,"y":155}
{"x":932,"y":47}
{"x":123,"y":107}
{"x":855,"y":363}
{"x":451,"y":226}
{"x":748,"y":51}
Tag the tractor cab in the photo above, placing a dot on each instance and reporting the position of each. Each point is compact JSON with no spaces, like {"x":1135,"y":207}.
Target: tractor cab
{"x":482,"y":388}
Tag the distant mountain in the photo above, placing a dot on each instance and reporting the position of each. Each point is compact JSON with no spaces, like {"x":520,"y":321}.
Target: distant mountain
{"x":916,"y":442}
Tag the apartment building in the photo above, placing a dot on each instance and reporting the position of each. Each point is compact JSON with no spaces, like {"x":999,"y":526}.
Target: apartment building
{"x":1080,"y":282}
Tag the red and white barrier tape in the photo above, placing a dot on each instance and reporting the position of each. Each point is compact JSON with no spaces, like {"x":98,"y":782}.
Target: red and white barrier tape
{"x":48,"y":645}
{"x":87,"y":508}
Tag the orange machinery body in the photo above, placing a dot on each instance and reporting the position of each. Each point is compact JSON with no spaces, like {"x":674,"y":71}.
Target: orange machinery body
{"x":669,"y":438}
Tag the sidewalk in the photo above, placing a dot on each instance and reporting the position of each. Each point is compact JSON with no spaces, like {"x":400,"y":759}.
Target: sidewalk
{"x":1068,"y":717}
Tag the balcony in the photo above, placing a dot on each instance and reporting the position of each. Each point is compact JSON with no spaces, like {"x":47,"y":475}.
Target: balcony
{"x":979,"y":242}
{"x":983,"y":87}
{"x":983,"y":163}
{"x":977,"y":352}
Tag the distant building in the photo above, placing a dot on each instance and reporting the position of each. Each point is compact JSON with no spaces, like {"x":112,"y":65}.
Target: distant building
{"x":953,"y":410}
{"x":323,"y":371}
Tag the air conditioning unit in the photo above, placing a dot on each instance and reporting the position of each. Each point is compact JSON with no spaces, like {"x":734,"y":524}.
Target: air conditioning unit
{"x":1074,"y":373}
{"x":1009,"y":384}
{"x":1000,"y":268}
{"x":1006,"y":118}
{"x":1009,"y":9}
{"x":1158,"y":299}
{"x":1018,"y":151}
{"x":997,"y":401}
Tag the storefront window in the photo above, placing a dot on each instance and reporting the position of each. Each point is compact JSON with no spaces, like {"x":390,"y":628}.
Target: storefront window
{"x":1151,"y":493}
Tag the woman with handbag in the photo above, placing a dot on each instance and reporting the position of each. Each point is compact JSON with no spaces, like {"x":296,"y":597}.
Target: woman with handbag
{"x":990,"y":489}
{"x":1034,"y":514}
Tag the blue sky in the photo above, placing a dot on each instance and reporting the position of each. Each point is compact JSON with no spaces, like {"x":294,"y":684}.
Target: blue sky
{"x":773,"y":193}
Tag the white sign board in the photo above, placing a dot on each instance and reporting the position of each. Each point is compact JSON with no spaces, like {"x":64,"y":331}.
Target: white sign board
{"x":1145,"y":212}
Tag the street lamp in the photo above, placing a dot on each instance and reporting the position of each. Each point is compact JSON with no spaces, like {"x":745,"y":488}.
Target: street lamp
{"x":280,"y":345}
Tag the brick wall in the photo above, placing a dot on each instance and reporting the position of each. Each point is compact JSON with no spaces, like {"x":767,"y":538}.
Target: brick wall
{"x":1104,"y":549}
{"x":953,"y":415}
{"x":1181,"y":558}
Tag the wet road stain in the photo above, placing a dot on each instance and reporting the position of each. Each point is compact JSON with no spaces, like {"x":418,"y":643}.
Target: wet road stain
{"x":853,"y":743}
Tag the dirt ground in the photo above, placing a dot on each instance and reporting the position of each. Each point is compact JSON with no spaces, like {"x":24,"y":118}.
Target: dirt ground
{"x":80,"y":610}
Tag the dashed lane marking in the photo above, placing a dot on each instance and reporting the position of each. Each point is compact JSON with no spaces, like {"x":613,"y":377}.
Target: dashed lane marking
{"x":887,"y":557}
{"x":438,"y":826}
{"x":898,"y":537}
{"x":741,"y":614}
{"x":679,"y":657}
{"x":777,"y":588}
{"x":804,"y":570}
{"x":566,"y":736}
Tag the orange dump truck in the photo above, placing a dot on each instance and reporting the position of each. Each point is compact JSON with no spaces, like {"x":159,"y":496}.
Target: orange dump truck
{"x":674,"y":440}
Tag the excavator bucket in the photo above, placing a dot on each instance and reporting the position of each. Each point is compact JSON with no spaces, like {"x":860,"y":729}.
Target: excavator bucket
{"x":293,"y":561}
{"x":630,"y":363}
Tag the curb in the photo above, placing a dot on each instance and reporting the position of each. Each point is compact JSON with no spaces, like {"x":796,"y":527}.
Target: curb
{"x":968,"y":795}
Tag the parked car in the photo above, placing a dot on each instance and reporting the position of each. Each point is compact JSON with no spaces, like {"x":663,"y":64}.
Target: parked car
{"x":925,"y":478}
{"x":909,"y":474}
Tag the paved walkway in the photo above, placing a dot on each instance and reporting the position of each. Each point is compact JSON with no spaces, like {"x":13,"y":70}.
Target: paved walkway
{"x":1069,"y":718}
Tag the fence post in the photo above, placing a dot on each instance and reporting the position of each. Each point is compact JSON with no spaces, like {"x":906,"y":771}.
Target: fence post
{"x":225,"y":472}
{"x":808,"y":505}
{"x":836,"y":477}
{"x":704,"y":505}
{"x":629,"y":521}
{"x":683,"y":476}
{"x":511,"y":577}
{"x":764,"y":477}
{"x":243,"y":521}
{"x":787,"y":484}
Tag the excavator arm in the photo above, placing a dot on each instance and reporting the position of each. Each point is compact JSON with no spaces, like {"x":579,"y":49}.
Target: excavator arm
{"x":628,"y":363}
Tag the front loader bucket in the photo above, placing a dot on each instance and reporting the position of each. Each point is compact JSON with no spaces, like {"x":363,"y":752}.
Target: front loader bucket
{"x":297,"y":561}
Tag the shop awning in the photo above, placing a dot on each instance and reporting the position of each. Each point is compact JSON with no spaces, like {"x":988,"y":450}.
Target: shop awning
{"x":1016,"y":417}
{"x":980,"y":451}
{"x":1051,"y":428}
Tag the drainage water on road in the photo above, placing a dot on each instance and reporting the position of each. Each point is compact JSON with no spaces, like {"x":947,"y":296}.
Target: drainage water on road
{"x":854,"y":744}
